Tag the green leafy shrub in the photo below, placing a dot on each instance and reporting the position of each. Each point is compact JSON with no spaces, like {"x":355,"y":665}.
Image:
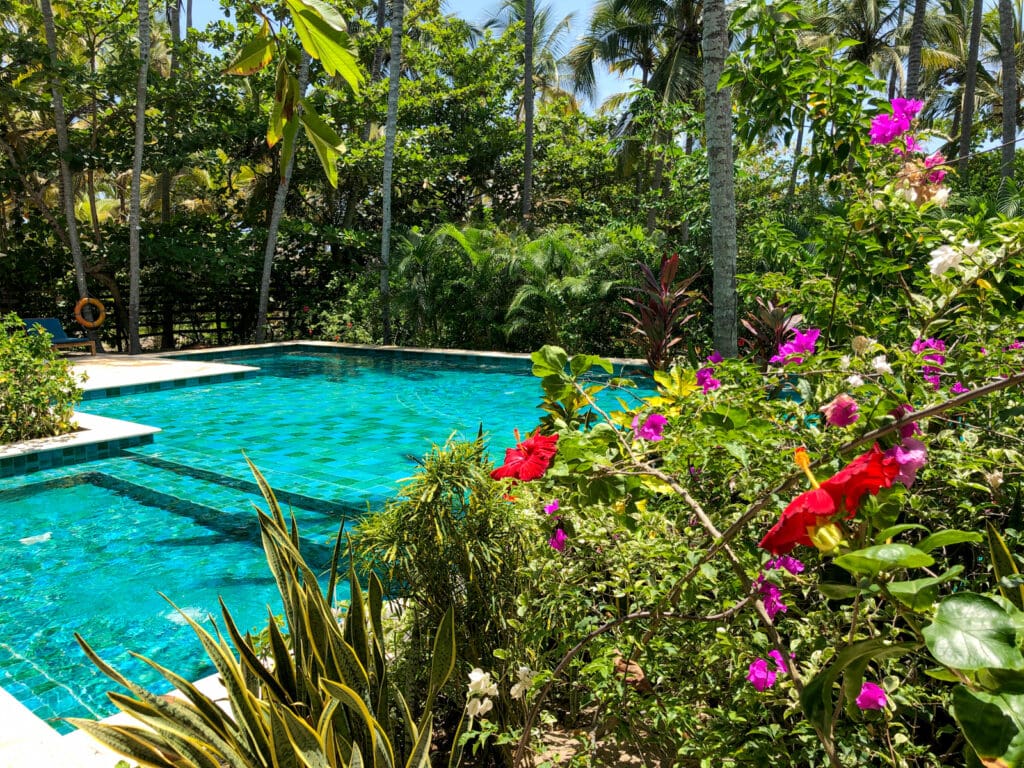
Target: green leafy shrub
{"x":38,"y":391}
{"x":324,"y":697}
{"x":452,"y":540}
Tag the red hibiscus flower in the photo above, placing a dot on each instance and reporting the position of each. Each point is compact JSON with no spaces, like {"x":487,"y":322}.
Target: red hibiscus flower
{"x":529,"y":460}
{"x":842,"y":492}
{"x":805,"y":513}
{"x":868,"y":473}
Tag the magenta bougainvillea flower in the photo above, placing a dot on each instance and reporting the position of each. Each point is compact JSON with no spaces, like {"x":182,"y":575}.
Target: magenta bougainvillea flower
{"x":938,"y":174}
{"x":652,"y":427}
{"x":786,"y":563}
{"x":706,"y":379}
{"x":771,"y":596}
{"x":780,"y":662}
{"x":910,"y":455}
{"x":760,"y":675}
{"x":841,"y":411}
{"x":552,"y":507}
{"x":715,"y":357}
{"x":530,"y":459}
{"x":872,"y":696}
{"x":958,"y":388}
{"x":886,"y":127}
{"x":558,"y":539}
{"x":793,"y":351}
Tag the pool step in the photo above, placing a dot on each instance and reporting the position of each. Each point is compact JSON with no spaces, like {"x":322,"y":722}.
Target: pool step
{"x":340,"y":499}
{"x":228,"y":511}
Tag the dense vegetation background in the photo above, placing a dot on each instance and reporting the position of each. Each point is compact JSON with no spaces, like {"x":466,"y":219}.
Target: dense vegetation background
{"x":610,"y":188}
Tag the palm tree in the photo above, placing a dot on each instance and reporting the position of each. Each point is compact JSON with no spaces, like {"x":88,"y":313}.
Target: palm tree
{"x":970,"y":86}
{"x":61,"y":125}
{"x":390,"y":129}
{"x":134,"y":215}
{"x":527,"y":197}
{"x":872,"y":24}
{"x":1008,"y":59}
{"x":914,"y":51}
{"x":718,"y":128}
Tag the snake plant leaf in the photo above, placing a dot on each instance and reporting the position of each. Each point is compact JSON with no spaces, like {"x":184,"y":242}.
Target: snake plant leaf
{"x":212,"y":714}
{"x":249,"y":659}
{"x":420,"y":755}
{"x":174,"y":735}
{"x":282,"y":754}
{"x":266,"y":491}
{"x":134,"y":743}
{"x":355,"y":620}
{"x":303,"y":738}
{"x":284,"y":663}
{"x":973,"y":632}
{"x":1004,"y":566}
{"x":442,"y":663}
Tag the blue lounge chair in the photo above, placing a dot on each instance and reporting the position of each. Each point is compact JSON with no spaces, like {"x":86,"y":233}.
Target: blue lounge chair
{"x":60,"y":339}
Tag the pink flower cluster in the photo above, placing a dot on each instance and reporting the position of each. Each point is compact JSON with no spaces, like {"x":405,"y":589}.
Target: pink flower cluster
{"x":706,"y":376}
{"x":651,"y":429}
{"x":934,"y":360}
{"x":793,"y":351}
{"x":885,"y":128}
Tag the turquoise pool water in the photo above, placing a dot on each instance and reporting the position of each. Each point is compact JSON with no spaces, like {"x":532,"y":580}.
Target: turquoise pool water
{"x":88,"y":547}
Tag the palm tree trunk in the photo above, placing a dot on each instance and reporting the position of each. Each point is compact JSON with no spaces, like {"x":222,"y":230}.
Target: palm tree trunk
{"x":61,"y":125}
{"x":135,"y":204}
{"x":914,"y":54}
{"x":1009,"y":62}
{"x":969,"y":89}
{"x":390,"y":129}
{"x":796,"y":156}
{"x":718,"y":126}
{"x":274,"y":224}
{"x":527,"y":197}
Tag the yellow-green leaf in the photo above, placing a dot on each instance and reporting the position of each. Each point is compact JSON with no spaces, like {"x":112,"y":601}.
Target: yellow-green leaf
{"x":253,"y":57}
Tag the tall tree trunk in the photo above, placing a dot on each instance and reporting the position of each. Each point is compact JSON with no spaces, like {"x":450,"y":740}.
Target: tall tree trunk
{"x":914,"y":54}
{"x":188,"y":16}
{"x":135,"y":204}
{"x":167,"y":175}
{"x":969,"y":89}
{"x":527,"y":197}
{"x":718,"y":126}
{"x":796,"y":157}
{"x":61,"y":125}
{"x":274,"y":224}
{"x":390,"y":129}
{"x":1009,"y":62}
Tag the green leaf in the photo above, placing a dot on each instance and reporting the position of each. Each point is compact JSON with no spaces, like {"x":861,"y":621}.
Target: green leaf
{"x":993,"y":724}
{"x":254,"y":56}
{"x":1004,"y":566}
{"x":580,"y":364}
{"x":549,"y":360}
{"x":920,"y":594}
{"x":835,"y":591}
{"x":325,"y":141}
{"x":973,"y":632}
{"x":816,"y":699}
{"x":895,"y":530}
{"x":291,"y":128}
{"x":948,"y":538}
{"x":332,"y":47}
{"x":883,"y":557}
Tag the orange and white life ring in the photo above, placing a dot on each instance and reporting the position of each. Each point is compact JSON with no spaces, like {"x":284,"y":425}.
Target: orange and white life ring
{"x":101,"y":316}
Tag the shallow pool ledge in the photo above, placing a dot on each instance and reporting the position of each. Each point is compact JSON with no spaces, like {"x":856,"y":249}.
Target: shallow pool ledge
{"x":98,"y":437}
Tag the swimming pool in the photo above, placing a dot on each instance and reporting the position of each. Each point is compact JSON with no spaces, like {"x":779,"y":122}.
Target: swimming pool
{"x":87,"y":547}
